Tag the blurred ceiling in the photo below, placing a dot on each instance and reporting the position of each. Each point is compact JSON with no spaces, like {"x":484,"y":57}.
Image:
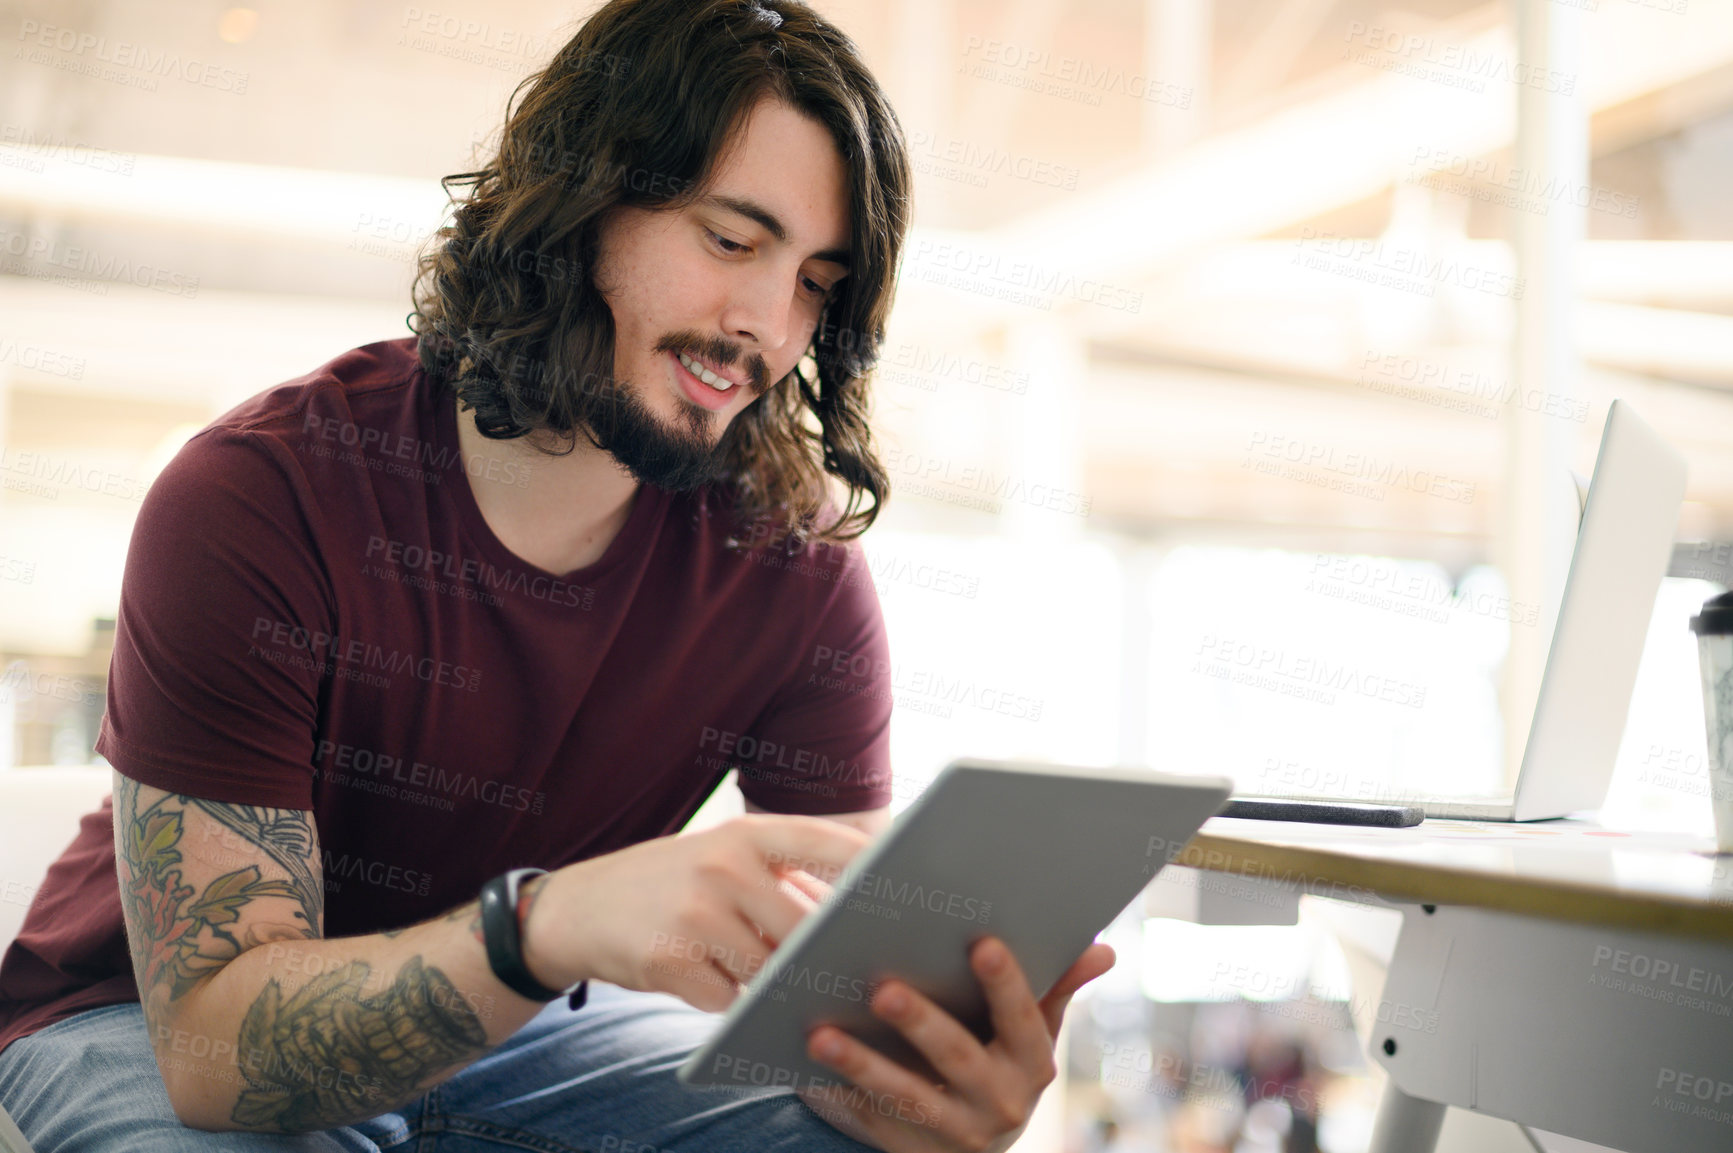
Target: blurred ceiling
{"x":1311,"y":203}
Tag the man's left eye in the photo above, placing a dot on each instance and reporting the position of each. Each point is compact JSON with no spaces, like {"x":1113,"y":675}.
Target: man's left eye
{"x":724,"y":243}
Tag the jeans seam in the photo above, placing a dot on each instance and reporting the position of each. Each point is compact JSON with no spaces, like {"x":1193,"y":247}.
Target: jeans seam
{"x":434,"y":1122}
{"x":427,"y":1130}
{"x":516,"y":1138}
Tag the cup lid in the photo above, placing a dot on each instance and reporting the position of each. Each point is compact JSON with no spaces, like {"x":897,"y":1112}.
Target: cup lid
{"x":1716,"y":616}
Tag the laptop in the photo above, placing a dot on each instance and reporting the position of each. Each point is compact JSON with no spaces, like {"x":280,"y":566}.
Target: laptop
{"x":1623,"y":545}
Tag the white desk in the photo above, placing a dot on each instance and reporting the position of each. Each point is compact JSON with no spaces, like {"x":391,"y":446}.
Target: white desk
{"x":1574,"y":979}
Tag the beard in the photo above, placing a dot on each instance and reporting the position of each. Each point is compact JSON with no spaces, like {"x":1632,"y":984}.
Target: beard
{"x":677,"y":457}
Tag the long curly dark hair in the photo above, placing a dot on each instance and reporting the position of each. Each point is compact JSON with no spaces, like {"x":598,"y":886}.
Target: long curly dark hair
{"x":635,"y":110}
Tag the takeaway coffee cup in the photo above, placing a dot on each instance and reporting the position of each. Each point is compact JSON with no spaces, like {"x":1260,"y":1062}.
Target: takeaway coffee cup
{"x":1714,"y":628}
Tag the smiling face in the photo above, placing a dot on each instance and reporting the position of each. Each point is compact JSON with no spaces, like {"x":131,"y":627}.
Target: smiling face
{"x":716,"y":301}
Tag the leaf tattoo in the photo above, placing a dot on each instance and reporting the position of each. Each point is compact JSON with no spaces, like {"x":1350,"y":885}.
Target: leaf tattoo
{"x":286,"y":836}
{"x":151,"y":885}
{"x":210,"y":945}
{"x":180,"y":938}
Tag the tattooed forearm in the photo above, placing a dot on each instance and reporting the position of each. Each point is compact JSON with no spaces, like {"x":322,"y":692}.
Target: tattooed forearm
{"x":321,"y":1033}
{"x":178,"y":933}
{"x":330,"y":1053}
{"x":470,"y":912}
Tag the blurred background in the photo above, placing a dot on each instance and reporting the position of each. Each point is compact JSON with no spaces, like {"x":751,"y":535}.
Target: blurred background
{"x":1279,"y":323}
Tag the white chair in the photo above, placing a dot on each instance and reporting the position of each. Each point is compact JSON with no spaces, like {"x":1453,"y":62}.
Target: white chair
{"x":39,"y":813}
{"x":11,"y":1140}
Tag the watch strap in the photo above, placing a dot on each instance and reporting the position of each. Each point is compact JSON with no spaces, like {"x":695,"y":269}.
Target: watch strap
{"x":502,"y":936}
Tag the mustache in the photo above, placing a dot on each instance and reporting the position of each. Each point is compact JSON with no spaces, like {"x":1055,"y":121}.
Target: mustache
{"x":720,"y":351}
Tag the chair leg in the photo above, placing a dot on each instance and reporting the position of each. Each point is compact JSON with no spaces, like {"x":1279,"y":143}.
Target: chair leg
{"x":1406,"y":1124}
{"x":11,"y":1140}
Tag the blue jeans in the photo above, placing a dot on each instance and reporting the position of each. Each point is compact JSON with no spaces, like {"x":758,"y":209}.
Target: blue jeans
{"x":598,"y":1080}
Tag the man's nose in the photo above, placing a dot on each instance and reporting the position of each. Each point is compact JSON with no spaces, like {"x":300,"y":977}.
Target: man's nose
{"x":759,"y":310}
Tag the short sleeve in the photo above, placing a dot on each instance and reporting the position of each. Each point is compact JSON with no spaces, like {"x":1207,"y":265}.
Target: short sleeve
{"x":214,"y":684}
{"x":823,"y":743}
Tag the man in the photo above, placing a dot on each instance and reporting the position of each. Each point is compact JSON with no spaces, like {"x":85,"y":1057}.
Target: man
{"x":516,"y":593}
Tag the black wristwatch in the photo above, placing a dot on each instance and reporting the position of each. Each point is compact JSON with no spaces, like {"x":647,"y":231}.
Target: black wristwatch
{"x":503,"y":937}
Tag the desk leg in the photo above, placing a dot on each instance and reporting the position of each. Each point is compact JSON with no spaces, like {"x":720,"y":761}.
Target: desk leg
{"x":1406,"y":1124}
{"x":1618,"y":1036}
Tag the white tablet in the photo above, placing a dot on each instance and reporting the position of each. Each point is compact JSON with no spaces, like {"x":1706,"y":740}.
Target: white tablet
{"x":1041,"y":856}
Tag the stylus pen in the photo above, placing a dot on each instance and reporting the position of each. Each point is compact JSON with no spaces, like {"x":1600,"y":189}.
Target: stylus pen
{"x":1324,"y":812}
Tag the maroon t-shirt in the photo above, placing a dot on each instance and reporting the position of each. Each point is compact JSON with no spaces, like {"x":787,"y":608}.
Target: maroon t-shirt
{"x":315,"y":615}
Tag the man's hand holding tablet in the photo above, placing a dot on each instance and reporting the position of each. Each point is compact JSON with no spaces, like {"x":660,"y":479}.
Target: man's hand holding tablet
{"x":942,"y":962}
{"x":987,"y":1092}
